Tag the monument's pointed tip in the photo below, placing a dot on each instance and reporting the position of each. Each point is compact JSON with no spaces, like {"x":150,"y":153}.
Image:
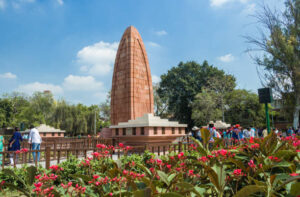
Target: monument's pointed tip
{"x":130,"y":29}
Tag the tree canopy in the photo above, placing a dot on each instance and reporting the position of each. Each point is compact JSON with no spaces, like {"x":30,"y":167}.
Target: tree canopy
{"x":42,"y":108}
{"x":280,"y":42}
{"x":182,"y":83}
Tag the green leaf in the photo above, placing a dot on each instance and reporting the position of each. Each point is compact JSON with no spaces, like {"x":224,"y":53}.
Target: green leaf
{"x":288,"y":181}
{"x":164,"y":177}
{"x":213,"y":177}
{"x":10,"y":172}
{"x":31,"y":172}
{"x":171,"y":194}
{"x":199,"y":191}
{"x":142,"y":193}
{"x":145,"y":169}
{"x":185,"y":185}
{"x":171,"y":177}
{"x":81,"y":176}
{"x":249,"y":190}
{"x":200,"y":147}
{"x":238,"y":163}
{"x":13,"y":187}
{"x":285,"y":154}
{"x":295,"y":191}
{"x":205,"y":135}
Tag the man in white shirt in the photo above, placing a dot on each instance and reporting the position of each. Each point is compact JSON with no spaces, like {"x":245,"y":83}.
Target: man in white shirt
{"x":36,"y":140}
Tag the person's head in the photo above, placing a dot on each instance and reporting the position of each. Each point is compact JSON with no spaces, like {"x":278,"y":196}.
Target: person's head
{"x":17,"y":129}
{"x":31,"y":127}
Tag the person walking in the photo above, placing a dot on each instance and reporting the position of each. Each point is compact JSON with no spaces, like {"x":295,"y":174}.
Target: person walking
{"x":15,"y":144}
{"x":35,"y":140}
{"x":1,"y":147}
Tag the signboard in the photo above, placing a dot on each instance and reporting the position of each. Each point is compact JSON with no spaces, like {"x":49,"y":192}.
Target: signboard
{"x":265,"y":95}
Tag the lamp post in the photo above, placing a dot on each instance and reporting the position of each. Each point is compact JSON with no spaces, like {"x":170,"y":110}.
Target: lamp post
{"x":265,"y":96}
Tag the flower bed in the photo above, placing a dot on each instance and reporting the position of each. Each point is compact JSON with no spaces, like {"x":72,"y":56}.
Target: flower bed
{"x":260,"y":167}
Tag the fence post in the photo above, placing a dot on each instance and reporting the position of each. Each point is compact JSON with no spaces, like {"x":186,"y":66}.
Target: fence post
{"x":58,"y":157}
{"x":3,"y":160}
{"x":179,"y":147}
{"x":55,"y":148}
{"x":48,"y":157}
{"x":164,"y":150}
{"x":158,"y":150}
{"x":15,"y":159}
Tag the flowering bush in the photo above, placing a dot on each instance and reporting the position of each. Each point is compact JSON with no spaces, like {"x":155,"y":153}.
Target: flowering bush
{"x":258,"y":167}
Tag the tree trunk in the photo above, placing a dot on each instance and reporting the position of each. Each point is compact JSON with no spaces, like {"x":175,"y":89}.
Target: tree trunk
{"x":296,"y":112}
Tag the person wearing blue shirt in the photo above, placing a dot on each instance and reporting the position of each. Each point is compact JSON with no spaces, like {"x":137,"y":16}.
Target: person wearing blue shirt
{"x":15,"y":143}
{"x":290,"y":132}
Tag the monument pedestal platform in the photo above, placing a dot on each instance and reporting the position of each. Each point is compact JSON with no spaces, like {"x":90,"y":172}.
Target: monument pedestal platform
{"x":147,"y":129}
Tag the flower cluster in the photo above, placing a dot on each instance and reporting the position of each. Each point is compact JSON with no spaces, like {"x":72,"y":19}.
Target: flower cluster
{"x":23,"y":150}
{"x":56,"y":168}
{"x":203,"y":159}
{"x":272,"y":158}
{"x":46,"y":178}
{"x":70,"y":189}
{"x":86,"y":162}
{"x":238,"y":173}
{"x":99,"y":181}
{"x":223,"y":153}
{"x":251,"y":164}
{"x":254,"y":146}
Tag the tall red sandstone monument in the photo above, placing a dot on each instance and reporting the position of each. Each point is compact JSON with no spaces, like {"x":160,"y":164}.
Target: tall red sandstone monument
{"x":131,"y":93}
{"x":132,"y":119}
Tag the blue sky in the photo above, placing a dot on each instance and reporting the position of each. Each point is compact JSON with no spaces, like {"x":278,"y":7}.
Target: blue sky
{"x":69,"y":46}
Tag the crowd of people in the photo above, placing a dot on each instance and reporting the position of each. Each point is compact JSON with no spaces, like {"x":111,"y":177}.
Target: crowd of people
{"x":14,"y":143}
{"x":236,"y":133}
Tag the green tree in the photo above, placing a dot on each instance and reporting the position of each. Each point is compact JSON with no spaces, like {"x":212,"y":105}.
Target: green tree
{"x":205,"y":108}
{"x":105,"y":109}
{"x":160,"y":103}
{"x":281,"y":47}
{"x":244,"y":109}
{"x":6,"y":112}
{"x":182,"y":83}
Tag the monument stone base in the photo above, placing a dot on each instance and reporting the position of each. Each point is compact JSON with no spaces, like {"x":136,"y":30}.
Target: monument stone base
{"x":147,"y":129}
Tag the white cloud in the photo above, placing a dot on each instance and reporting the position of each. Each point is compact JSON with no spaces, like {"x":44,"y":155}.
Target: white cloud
{"x":226,"y":58}
{"x":152,"y":44}
{"x":97,"y":59}
{"x":81,"y":83}
{"x":2,"y":4}
{"x":155,"y":79}
{"x":60,"y":2}
{"x":250,"y":9}
{"x":37,"y":86}
{"x":161,"y":33}
{"x":219,"y":3}
{"x":8,"y":75}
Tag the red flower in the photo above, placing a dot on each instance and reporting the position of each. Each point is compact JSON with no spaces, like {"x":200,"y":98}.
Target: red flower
{"x":294,"y":174}
{"x":125,"y":172}
{"x":169,"y":166}
{"x":39,"y":184}
{"x":191,"y":172}
{"x":238,"y":172}
{"x":255,"y":146}
{"x":203,"y":159}
{"x":251,"y":164}
{"x":251,"y":140}
{"x":121,"y":145}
